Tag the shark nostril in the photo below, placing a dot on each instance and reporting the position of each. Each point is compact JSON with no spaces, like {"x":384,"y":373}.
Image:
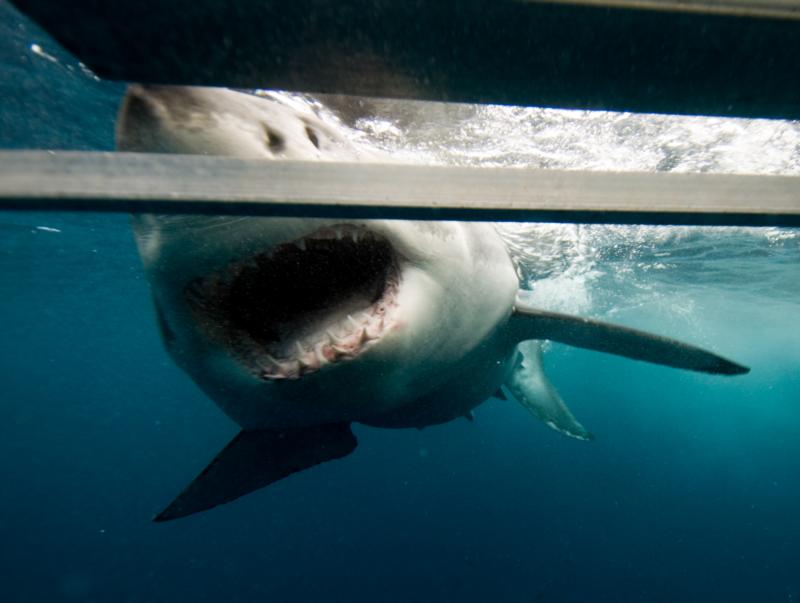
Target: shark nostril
{"x":275,"y":142}
{"x":312,"y":136}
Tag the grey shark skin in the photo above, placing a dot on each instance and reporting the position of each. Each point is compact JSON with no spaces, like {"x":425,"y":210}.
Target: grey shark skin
{"x":299,"y":327}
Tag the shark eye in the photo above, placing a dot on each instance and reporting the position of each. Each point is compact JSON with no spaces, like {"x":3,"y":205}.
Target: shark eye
{"x":312,"y":136}
{"x":275,"y":142}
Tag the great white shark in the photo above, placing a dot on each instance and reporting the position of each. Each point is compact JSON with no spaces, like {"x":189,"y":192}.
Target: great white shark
{"x":299,"y":327}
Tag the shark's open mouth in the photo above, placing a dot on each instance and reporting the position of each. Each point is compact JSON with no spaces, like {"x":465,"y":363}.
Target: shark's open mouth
{"x":294,"y":308}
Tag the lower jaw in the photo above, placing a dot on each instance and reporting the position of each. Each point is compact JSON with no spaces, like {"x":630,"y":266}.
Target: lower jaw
{"x":294,"y":358}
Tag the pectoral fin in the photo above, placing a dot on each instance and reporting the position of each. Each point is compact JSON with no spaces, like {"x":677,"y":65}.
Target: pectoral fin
{"x":532,"y":323}
{"x":531,"y":388}
{"x":254,"y":459}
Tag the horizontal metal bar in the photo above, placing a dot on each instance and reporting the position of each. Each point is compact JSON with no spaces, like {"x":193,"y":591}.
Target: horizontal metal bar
{"x":129,"y":182}
{"x":782,"y":9}
{"x":700,"y":57}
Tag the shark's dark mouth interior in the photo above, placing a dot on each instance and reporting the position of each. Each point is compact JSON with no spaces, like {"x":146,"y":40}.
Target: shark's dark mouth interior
{"x":291,"y":309}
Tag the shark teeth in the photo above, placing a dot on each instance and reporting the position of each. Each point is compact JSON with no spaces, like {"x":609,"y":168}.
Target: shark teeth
{"x":374,"y":330}
{"x":272,"y":361}
{"x":344,"y":340}
{"x":338,"y":232}
{"x":236,"y":309}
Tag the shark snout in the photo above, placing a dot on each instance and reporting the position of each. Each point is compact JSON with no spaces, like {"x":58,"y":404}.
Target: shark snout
{"x":142,"y":119}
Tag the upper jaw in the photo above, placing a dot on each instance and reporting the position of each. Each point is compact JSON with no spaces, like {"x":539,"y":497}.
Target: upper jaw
{"x":291,"y":309}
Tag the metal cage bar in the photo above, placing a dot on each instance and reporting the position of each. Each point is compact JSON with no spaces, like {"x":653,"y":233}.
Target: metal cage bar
{"x":129,"y":182}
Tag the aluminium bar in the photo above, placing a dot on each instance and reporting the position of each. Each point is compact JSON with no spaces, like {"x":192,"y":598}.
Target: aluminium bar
{"x":782,"y":9}
{"x":736,"y":58}
{"x":130,"y":182}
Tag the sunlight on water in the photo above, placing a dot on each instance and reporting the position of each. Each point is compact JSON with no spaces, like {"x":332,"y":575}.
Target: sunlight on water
{"x":600,"y":268}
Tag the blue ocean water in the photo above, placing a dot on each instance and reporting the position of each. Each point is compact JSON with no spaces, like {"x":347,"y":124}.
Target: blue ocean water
{"x":689,"y":492}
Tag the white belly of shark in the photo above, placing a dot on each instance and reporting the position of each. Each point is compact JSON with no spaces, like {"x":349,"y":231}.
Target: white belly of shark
{"x":298,"y":327}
